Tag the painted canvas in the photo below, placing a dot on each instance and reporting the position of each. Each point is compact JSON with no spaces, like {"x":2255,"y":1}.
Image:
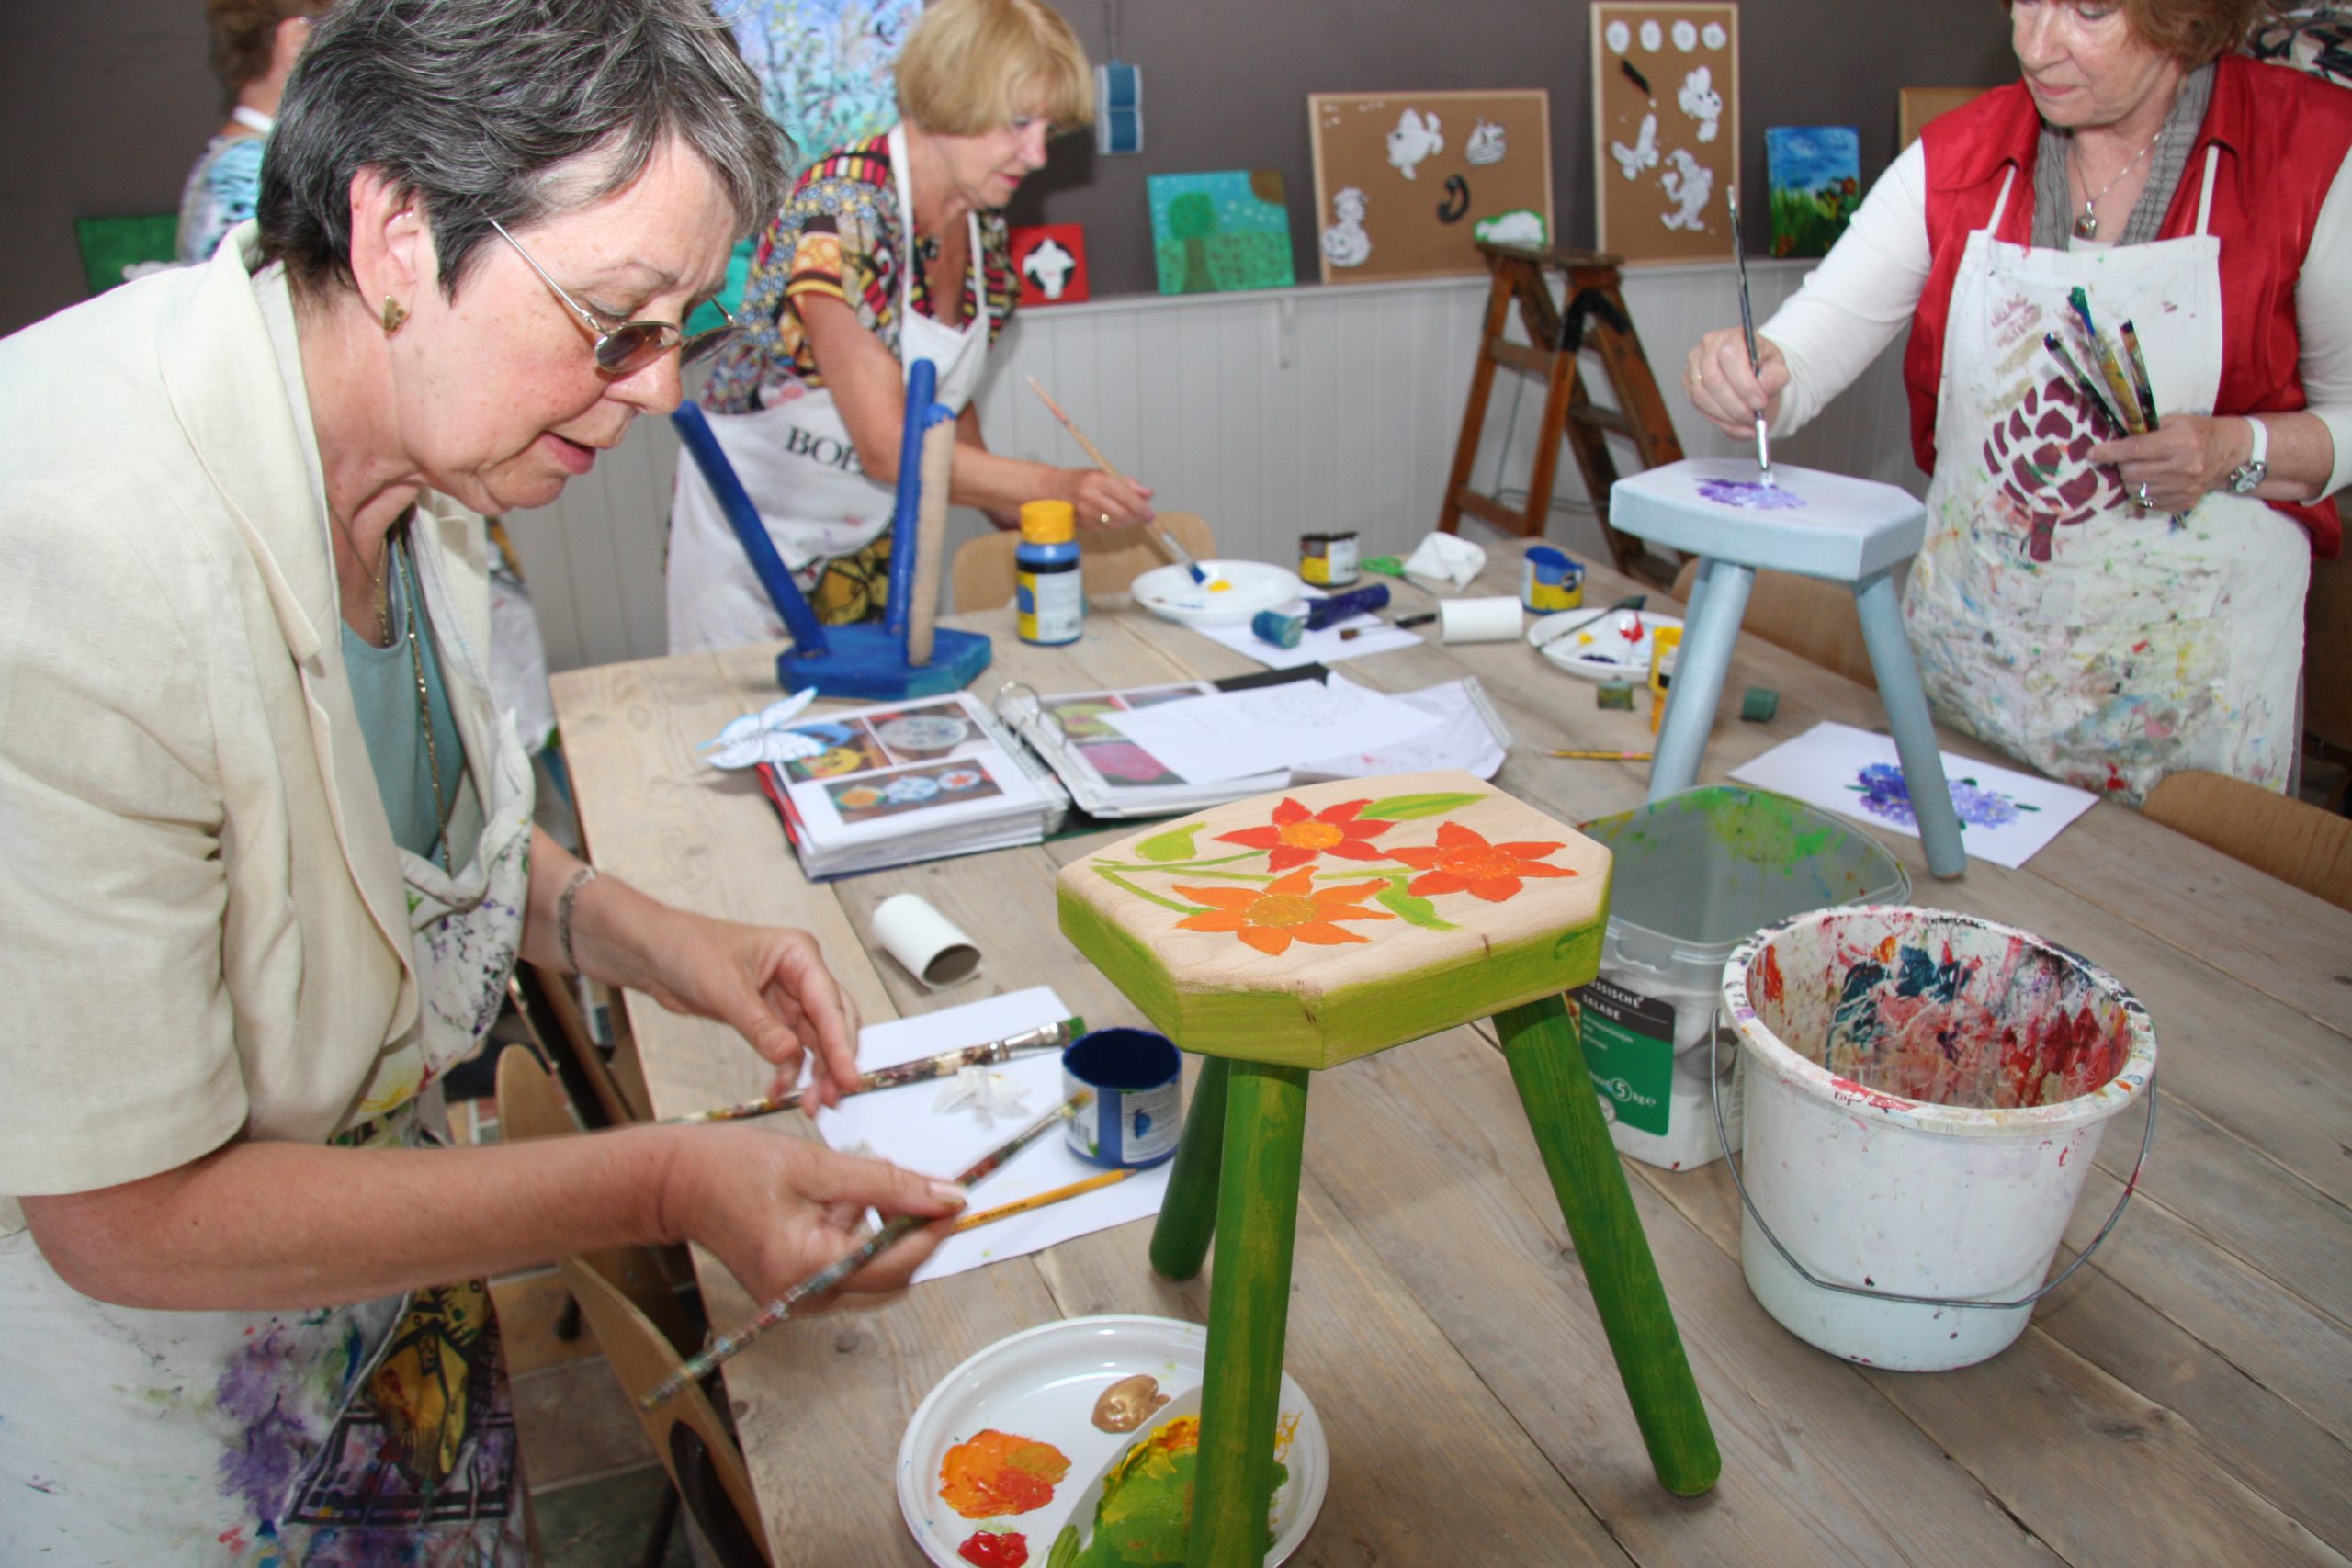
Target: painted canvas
{"x":1407,"y":183}
{"x":823,"y":65}
{"x":2005,"y":817}
{"x":117,"y":250}
{"x":1212,"y":232}
{"x":1666,"y":128}
{"x":1051,"y":260}
{"x":1815,"y":173}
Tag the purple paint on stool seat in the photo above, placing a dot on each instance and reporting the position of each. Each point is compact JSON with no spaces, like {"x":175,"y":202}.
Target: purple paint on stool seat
{"x":1749,"y":493}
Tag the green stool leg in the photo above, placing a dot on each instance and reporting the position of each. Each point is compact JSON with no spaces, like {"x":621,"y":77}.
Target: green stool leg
{"x":1180,"y":1239}
{"x":1242,"y":1387}
{"x":1546,"y":1050}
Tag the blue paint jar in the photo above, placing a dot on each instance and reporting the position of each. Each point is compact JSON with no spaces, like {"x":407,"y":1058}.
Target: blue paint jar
{"x":1050,"y":592}
{"x":1551,"y":579}
{"x":1137,"y":1078}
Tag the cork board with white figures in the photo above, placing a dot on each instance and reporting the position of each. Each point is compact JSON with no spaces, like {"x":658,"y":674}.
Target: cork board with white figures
{"x":1665,"y":129}
{"x":1406,"y":183}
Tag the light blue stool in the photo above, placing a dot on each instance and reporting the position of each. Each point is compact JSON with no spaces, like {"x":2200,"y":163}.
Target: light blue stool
{"x":1848,"y":530}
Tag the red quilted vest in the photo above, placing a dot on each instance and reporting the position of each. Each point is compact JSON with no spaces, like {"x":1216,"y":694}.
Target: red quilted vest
{"x":2283,"y":135}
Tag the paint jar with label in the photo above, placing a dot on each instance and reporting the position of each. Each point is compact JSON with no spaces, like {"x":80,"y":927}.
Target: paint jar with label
{"x":1666,"y":646}
{"x":1328,"y":560}
{"x":1137,"y":1078}
{"x":1050,"y":598}
{"x":1551,"y":579}
{"x":1693,"y":876}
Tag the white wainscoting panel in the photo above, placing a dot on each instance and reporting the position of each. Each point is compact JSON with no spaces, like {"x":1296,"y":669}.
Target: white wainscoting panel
{"x":1271,"y":413}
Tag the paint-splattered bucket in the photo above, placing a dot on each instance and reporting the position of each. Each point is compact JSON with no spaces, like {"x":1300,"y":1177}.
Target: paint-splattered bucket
{"x":1924,"y":1092}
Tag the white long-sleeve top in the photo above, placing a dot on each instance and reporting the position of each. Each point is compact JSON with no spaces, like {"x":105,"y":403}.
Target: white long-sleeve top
{"x":1863,"y":294}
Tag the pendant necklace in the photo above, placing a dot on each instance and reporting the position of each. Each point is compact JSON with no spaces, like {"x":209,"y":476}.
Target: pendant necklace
{"x":2086,"y":223}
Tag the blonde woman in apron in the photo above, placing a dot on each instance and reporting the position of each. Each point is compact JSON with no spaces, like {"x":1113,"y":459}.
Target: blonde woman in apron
{"x":808,"y":405}
{"x":2108,"y":609}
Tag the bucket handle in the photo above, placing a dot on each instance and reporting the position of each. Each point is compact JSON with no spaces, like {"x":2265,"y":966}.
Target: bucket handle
{"x":1723,"y":1137}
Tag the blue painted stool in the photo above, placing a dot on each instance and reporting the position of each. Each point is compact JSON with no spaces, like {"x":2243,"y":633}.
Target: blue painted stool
{"x":1842,"y":530}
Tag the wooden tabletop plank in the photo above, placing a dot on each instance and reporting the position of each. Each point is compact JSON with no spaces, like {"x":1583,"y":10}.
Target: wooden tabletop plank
{"x":1428,"y":1149}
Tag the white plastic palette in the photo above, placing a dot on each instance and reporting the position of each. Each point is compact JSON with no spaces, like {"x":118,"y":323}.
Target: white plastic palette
{"x":1235,"y":590}
{"x":1600,"y":652}
{"x":1042,"y":1383}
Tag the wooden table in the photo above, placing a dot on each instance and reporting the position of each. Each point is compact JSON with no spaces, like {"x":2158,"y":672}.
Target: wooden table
{"x":2187,"y":1398}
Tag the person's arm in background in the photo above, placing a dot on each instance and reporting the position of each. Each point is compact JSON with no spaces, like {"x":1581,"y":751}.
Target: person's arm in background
{"x":1857,"y":302}
{"x":868,"y":385}
{"x":2309,"y":456}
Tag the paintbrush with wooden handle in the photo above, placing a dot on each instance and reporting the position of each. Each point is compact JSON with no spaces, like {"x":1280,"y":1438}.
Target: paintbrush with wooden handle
{"x":1176,"y":552}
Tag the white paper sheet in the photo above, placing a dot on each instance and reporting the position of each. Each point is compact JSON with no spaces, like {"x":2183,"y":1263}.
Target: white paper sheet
{"x":2005,"y":817}
{"x":1326,"y":647}
{"x":899,"y":1125}
{"x":1229,"y":735}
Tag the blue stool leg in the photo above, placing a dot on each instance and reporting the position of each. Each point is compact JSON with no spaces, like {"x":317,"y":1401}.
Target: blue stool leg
{"x":1699,"y":666}
{"x":1907,"y":716}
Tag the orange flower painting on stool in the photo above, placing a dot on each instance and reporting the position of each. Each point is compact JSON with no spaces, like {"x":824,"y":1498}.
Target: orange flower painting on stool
{"x":1462,"y":860}
{"x":1286,"y":910}
{"x":1294,"y":838}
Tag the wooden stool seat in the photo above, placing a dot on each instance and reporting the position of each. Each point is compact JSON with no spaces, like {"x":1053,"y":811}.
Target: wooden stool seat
{"x":1830,"y":526}
{"x":1295,"y":931}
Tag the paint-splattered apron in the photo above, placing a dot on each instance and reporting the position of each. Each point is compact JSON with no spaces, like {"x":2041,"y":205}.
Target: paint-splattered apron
{"x":799,"y":467}
{"x":380,"y":1433}
{"x":2104,"y":645}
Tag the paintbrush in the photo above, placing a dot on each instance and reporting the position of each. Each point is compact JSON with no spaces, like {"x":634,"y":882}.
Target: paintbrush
{"x":1538,"y":637}
{"x":1747,"y":330}
{"x":1605,"y":756}
{"x":2140,"y":385}
{"x":1046,"y":1037}
{"x":2083,"y":384}
{"x":2109,"y":369}
{"x":1176,"y":552}
{"x":1041,"y":1200}
{"x":725,"y":1348}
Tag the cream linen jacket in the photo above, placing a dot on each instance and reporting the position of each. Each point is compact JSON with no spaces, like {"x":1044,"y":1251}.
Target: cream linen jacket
{"x":204,"y":932}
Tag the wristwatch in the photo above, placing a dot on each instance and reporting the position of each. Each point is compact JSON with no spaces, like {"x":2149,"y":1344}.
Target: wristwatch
{"x":2248,"y":474}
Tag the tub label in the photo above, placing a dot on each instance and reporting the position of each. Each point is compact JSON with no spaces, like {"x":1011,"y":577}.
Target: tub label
{"x":1629,"y":1046}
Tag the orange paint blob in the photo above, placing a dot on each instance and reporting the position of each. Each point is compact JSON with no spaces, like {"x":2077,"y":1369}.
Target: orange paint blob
{"x":995,"y":1474}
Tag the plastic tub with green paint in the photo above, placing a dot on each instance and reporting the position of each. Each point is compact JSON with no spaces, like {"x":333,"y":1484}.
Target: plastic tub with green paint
{"x":1697,"y":874}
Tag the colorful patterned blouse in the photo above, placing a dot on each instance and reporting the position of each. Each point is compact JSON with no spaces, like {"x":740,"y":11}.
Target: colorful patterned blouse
{"x":838,"y":234}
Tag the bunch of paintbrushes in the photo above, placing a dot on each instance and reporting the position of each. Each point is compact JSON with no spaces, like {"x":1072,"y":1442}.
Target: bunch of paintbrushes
{"x":946,"y":1064}
{"x":726,"y":1347}
{"x":2129,"y":406}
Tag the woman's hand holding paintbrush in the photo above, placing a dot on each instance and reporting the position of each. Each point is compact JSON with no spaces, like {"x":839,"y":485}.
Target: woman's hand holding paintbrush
{"x":1729,"y":391}
{"x":1106,"y":498}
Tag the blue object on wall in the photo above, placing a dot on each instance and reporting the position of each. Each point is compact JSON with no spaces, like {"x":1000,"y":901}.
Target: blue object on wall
{"x":1118,"y":108}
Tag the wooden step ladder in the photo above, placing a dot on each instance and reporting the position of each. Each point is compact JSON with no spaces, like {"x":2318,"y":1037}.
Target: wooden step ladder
{"x":1594,"y":317}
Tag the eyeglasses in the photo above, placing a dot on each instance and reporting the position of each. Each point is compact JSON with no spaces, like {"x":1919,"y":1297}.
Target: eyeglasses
{"x":630,"y":346}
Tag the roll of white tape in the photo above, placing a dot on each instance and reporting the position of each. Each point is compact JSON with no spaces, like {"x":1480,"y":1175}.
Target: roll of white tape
{"x":1479,"y":620}
{"x":926,"y":942}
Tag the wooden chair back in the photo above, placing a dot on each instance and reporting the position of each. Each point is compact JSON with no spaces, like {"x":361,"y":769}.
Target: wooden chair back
{"x":2327,"y":656}
{"x":1811,"y":618}
{"x":531,"y":1104}
{"x":2289,"y":838}
{"x":606,"y":1086}
{"x":704,"y":1461}
{"x":1109,"y":560}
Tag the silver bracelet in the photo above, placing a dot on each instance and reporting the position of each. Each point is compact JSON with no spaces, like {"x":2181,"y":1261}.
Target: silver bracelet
{"x":564,"y":901}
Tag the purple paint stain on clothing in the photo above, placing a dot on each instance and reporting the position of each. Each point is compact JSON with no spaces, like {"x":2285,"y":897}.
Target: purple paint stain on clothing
{"x":1749,"y":494}
{"x":253,"y":1393}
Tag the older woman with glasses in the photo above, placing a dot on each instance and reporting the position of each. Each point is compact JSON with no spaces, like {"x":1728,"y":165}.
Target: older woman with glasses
{"x":890,"y":249}
{"x":269,"y":856}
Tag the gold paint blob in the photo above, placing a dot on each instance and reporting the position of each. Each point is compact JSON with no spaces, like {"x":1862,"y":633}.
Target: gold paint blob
{"x":1128,"y":1404}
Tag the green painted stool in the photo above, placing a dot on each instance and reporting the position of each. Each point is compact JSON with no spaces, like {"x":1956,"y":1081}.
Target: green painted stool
{"x":1298,"y":931}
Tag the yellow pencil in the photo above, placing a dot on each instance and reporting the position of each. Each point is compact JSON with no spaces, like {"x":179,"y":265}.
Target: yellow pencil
{"x":1607,"y":756}
{"x":1039,"y":1199}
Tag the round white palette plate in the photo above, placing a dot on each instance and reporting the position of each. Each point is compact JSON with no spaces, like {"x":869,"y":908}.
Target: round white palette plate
{"x":1235,"y":590}
{"x":1042,"y":1384}
{"x":1602,"y":651}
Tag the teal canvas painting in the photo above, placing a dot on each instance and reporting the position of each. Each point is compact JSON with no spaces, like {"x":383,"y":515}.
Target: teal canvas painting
{"x":1216,"y":231}
{"x":1815,"y":171}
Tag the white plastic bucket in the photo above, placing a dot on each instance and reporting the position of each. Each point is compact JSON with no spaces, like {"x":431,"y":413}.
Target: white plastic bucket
{"x":1924,"y":1092}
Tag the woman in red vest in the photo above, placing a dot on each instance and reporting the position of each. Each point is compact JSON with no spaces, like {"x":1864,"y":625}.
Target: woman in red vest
{"x":2107,"y":604}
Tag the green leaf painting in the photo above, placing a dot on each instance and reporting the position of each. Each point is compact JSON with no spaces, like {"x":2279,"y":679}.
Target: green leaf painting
{"x":1174,"y":844}
{"x":1405,"y":807}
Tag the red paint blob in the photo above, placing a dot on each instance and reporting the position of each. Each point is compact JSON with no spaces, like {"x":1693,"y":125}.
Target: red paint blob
{"x":989,"y":1550}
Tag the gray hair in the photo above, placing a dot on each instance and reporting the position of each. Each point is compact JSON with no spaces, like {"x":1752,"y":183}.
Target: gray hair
{"x":512,"y":110}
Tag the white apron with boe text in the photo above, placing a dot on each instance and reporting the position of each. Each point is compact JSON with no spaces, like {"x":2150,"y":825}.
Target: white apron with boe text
{"x":798,"y":466}
{"x":2106,"y":645}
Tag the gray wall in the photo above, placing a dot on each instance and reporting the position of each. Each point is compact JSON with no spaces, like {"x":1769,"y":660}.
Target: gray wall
{"x":105,"y":103}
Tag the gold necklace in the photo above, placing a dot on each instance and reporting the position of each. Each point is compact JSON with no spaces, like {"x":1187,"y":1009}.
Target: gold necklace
{"x":441,"y":812}
{"x":383,"y":597}
{"x":2086,"y":223}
